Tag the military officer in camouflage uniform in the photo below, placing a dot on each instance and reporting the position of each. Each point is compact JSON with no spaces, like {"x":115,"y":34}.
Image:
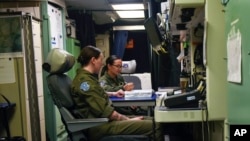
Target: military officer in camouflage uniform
{"x":110,"y":84}
{"x":112,"y":81}
{"x":93,"y":102}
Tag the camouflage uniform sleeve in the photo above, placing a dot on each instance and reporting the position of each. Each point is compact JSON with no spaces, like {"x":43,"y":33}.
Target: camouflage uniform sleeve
{"x":108,"y":86}
{"x":96,"y":99}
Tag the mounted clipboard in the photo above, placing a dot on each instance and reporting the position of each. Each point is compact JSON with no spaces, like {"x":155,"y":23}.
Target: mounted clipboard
{"x":234,"y":55}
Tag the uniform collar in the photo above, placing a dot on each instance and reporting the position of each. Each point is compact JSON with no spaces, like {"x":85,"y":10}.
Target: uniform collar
{"x":80,"y":70}
{"x":109,"y":77}
{"x":117,"y":78}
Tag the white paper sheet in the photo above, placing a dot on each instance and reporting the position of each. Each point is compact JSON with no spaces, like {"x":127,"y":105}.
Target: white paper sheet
{"x":7,"y":73}
{"x":139,"y":93}
{"x":234,"y":56}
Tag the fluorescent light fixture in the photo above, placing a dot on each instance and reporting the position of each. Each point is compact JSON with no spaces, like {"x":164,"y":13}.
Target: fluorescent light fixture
{"x":129,"y":27}
{"x":129,"y":10}
{"x":130,"y":14}
{"x":128,"y":6}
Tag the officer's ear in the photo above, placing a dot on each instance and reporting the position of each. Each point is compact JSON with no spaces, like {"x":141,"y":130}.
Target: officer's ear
{"x":108,"y":66}
{"x":93,"y":60}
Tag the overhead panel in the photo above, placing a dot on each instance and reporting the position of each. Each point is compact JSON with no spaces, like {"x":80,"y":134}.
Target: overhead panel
{"x":185,"y":14}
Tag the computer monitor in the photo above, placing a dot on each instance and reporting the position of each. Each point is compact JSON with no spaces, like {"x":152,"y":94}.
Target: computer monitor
{"x":153,"y":32}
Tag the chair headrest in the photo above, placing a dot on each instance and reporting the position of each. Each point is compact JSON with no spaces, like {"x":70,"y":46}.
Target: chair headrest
{"x":58,"y":61}
{"x":128,"y":66}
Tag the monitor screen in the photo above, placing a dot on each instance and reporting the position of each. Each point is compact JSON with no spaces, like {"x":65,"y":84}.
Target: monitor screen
{"x":153,"y":32}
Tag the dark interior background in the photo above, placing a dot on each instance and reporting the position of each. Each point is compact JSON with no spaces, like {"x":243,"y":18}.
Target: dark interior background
{"x":140,"y":51}
{"x":164,"y":68}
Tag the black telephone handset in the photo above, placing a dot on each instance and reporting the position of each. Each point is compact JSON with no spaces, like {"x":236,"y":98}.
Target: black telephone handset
{"x":188,"y":99}
{"x":201,"y":87}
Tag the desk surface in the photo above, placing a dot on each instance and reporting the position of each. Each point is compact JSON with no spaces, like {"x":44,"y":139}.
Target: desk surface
{"x":138,"y":101}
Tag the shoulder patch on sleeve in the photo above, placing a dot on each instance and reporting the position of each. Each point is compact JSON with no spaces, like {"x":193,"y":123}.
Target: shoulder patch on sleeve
{"x":84,"y":86}
{"x":102,"y":83}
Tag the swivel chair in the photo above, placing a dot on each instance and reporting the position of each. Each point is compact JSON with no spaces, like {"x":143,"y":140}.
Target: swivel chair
{"x":128,"y":68}
{"x":59,"y":62}
{"x":136,"y":81}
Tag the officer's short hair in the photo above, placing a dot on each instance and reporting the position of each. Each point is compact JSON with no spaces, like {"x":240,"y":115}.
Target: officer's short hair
{"x":87,"y":53}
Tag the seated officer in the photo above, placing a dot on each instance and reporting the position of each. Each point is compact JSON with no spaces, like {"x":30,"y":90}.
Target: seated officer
{"x":93,"y":102}
{"x":112,"y":81}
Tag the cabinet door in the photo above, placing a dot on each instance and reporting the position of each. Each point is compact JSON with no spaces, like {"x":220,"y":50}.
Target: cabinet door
{"x":55,"y":127}
{"x":237,"y":20}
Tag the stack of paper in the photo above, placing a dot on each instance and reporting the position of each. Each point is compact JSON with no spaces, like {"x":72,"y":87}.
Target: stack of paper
{"x":139,"y":93}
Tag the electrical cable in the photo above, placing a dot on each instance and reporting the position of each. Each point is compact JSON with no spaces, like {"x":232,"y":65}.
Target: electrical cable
{"x":208,"y":127}
{"x":203,"y":106}
{"x":202,"y":120}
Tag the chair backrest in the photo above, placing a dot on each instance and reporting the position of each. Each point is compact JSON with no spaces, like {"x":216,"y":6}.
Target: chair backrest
{"x":59,"y":62}
{"x":128,"y":67}
{"x":145,"y":79}
{"x":136,"y":80}
{"x":59,"y":86}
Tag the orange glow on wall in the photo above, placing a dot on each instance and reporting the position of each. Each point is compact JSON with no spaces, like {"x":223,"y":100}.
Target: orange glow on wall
{"x":130,"y":44}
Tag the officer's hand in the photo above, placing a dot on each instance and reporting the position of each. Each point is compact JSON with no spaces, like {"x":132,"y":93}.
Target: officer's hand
{"x":128,"y":86}
{"x":137,"y":118}
{"x":119,"y":93}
